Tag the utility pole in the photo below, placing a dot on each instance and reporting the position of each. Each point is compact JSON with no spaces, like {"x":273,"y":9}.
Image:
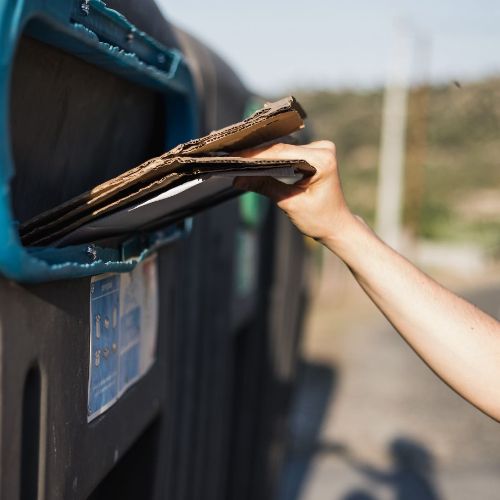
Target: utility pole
{"x":393,"y":140}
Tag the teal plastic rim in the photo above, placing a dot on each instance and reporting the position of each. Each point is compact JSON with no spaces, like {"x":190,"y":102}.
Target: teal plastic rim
{"x":101,"y":36}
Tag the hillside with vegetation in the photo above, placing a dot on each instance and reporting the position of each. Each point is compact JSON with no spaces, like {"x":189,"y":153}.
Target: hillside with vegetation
{"x":456,"y":196}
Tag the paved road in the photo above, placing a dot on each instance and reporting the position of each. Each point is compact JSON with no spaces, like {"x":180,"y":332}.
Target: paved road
{"x":372,"y":422}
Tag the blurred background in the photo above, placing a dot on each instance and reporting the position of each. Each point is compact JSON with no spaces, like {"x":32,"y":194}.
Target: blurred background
{"x":410,"y":94}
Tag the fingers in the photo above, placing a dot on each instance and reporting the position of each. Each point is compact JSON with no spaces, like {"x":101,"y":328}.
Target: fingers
{"x":320,"y":154}
{"x":267,"y":186}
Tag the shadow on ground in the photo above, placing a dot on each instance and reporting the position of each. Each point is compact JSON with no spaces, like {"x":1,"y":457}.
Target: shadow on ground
{"x":411,"y":475}
{"x":370,"y":421}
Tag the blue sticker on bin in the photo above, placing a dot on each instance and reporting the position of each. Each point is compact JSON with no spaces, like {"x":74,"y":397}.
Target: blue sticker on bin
{"x":123,"y":330}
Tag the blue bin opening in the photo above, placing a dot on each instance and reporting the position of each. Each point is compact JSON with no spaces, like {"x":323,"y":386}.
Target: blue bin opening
{"x":73,"y":126}
{"x":85,"y":95}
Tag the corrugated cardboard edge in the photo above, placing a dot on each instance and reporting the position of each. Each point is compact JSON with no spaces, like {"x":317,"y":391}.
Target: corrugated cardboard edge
{"x":58,"y":228}
{"x":251,"y":132}
{"x":274,"y":120}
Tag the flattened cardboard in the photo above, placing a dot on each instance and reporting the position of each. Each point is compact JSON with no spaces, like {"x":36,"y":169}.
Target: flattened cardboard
{"x":206,"y":155}
{"x":168,"y":206}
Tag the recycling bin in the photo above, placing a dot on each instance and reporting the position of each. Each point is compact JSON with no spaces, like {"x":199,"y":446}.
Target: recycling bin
{"x":158,"y":365}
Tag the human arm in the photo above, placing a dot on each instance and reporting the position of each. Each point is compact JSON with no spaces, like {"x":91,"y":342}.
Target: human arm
{"x":457,"y":340}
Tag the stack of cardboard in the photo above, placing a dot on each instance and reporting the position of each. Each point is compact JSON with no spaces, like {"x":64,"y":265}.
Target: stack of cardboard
{"x":180,"y":182}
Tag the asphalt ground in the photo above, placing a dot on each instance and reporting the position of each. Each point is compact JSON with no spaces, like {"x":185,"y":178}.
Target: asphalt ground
{"x":370,"y":420}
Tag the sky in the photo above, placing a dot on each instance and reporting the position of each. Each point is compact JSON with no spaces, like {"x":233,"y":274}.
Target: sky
{"x":278,"y":45}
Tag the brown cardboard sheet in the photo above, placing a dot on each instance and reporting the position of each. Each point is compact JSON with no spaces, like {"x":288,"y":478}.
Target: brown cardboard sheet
{"x":204,"y":156}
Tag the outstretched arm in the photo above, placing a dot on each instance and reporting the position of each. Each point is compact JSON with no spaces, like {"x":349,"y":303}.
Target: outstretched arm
{"x":457,"y":340}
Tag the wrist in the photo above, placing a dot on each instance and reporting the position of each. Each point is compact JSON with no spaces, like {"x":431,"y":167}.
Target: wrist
{"x":344,"y":235}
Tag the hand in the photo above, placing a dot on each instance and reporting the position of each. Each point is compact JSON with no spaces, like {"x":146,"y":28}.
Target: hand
{"x":315,"y":204}
{"x":458,"y":341}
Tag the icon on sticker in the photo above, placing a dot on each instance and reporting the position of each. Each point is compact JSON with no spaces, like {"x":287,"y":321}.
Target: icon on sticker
{"x":114,"y":347}
{"x":105,"y":352}
{"x":106,"y":323}
{"x":97,"y":361}
{"x":98,"y":326}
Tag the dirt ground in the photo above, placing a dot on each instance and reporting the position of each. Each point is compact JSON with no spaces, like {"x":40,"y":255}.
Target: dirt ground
{"x":370,"y":420}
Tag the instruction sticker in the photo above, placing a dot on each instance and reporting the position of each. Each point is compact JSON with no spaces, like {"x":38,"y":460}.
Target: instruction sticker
{"x":123,"y":332}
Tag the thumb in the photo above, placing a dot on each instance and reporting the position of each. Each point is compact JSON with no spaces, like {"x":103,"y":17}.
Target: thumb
{"x":267,"y":186}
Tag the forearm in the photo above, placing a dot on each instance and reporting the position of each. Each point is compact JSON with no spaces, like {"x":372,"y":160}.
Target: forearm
{"x":457,"y":340}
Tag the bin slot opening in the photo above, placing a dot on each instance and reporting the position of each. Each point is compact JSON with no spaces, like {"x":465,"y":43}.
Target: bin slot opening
{"x":74,"y":125}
